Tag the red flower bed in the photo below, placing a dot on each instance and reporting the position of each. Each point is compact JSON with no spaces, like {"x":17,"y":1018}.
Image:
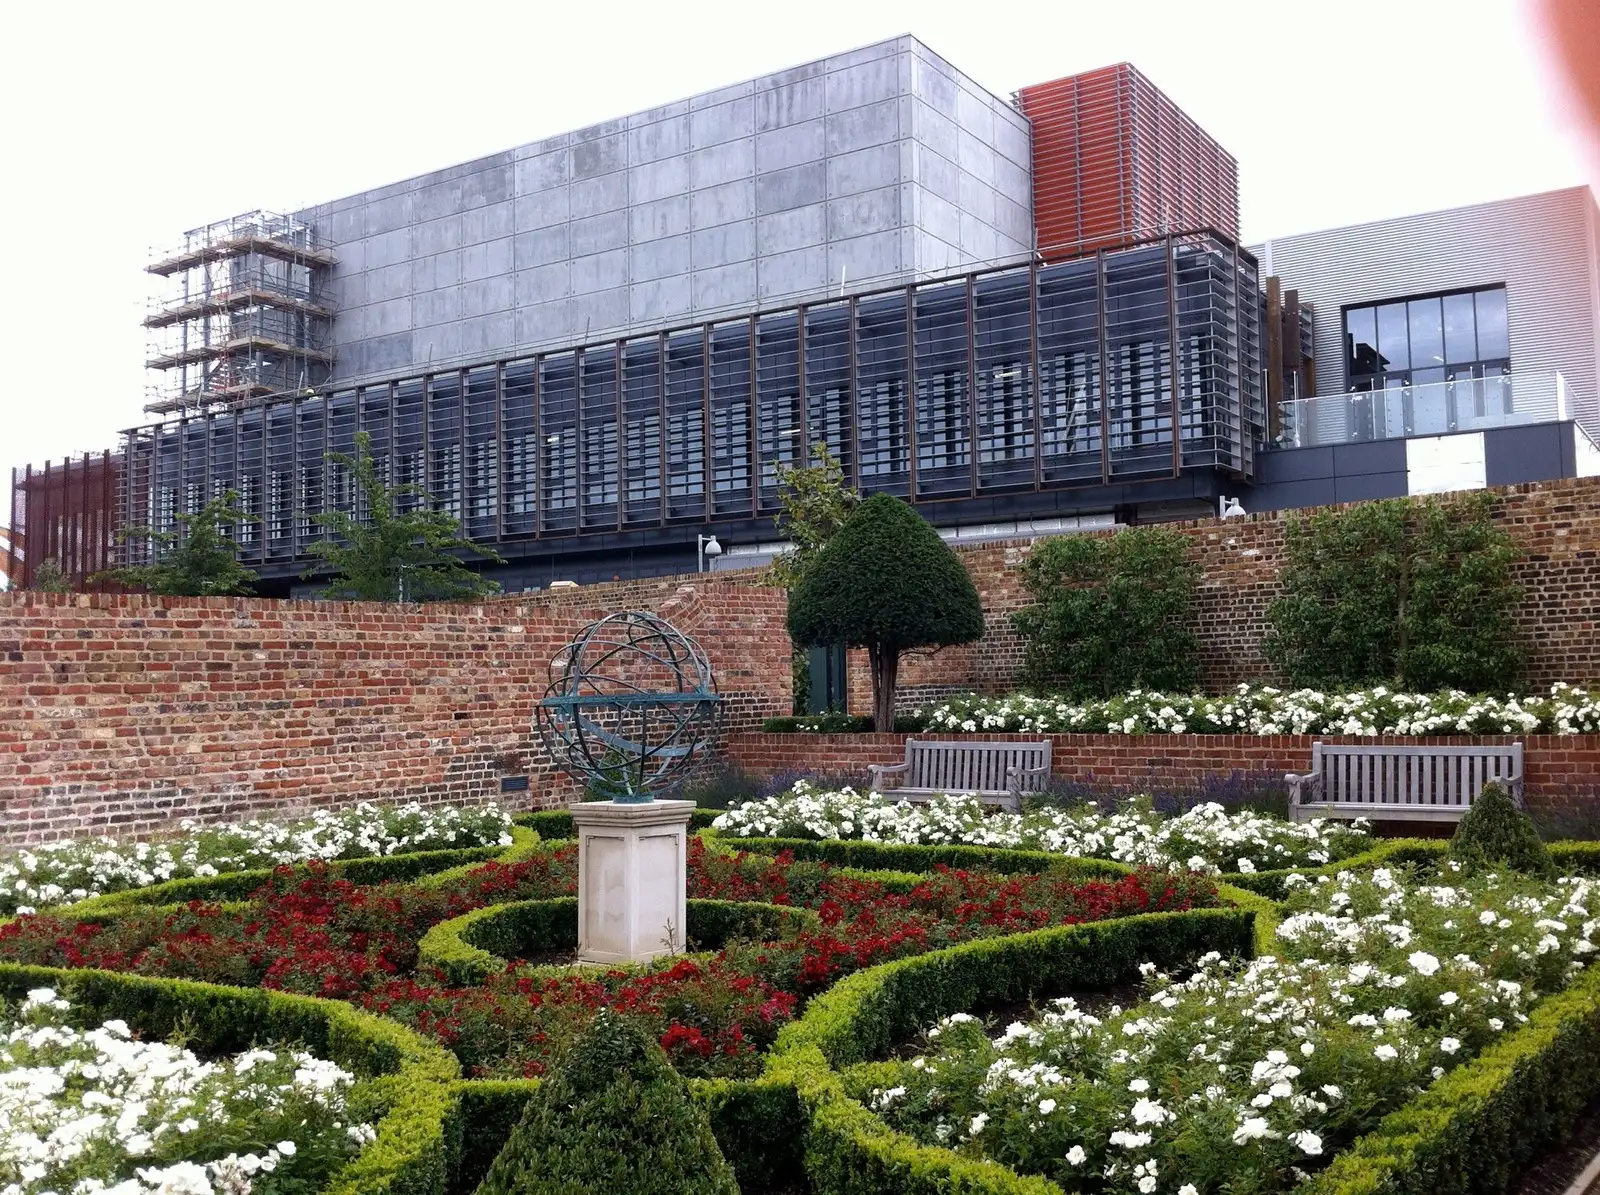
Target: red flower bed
{"x":713,"y":1013}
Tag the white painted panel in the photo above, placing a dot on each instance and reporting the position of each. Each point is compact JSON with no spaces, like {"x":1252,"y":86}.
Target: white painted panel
{"x":1586,"y":456}
{"x":1440,"y":464}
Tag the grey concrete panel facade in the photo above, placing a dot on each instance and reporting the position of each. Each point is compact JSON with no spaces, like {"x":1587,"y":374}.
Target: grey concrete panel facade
{"x":866,"y":169}
{"x":1541,"y":247}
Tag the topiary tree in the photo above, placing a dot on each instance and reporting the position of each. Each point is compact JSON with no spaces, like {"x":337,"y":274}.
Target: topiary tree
{"x":885,"y":582}
{"x":1110,"y":613}
{"x":1495,"y":833}
{"x":614,"y":1117}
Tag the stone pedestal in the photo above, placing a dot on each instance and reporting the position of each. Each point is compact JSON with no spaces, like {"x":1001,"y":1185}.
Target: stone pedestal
{"x":632,"y":870}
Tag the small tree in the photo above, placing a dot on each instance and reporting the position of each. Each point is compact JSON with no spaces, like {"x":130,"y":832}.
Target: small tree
{"x":886,"y":582}
{"x":813,"y":503}
{"x":48,"y":578}
{"x":393,"y":554}
{"x":201,"y":559}
{"x":1110,"y":613}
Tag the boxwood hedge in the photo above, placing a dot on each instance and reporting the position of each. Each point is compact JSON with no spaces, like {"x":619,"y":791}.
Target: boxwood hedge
{"x":405,"y":1077}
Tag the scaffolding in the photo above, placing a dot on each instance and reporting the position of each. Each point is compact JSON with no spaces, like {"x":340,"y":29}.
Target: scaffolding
{"x":245,"y":314}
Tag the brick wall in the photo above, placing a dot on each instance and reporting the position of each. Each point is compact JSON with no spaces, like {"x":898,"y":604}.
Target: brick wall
{"x":1556,"y":524}
{"x":125,"y":712}
{"x":1560,"y":772}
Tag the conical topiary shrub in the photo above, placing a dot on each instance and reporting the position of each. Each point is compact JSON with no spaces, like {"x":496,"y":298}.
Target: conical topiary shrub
{"x":1495,"y":833}
{"x":615,"y":1117}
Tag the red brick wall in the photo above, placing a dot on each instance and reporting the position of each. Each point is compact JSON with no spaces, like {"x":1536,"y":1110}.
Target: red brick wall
{"x":1556,"y":524}
{"x":126,"y":712}
{"x":1559,"y":771}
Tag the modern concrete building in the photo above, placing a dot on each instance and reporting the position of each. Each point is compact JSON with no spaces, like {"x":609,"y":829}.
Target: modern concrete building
{"x":1451,"y":350}
{"x":1024,"y":316}
{"x":864,"y":170}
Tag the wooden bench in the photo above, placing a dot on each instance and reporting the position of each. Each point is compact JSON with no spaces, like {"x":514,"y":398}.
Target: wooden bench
{"x":995,"y":773}
{"x":1403,"y":783}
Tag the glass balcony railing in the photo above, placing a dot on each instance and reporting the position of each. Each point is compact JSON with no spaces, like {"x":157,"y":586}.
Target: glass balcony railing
{"x":1434,"y":409}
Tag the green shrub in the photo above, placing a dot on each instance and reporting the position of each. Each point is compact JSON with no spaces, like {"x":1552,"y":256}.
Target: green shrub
{"x":1110,"y":614}
{"x":1495,"y":833}
{"x":1413,"y":592}
{"x":850,"y":1151}
{"x":614,"y":1117}
{"x":756,"y":1123}
{"x":885,"y":582}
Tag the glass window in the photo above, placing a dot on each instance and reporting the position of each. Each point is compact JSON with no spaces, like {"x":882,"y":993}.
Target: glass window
{"x":1394,"y":350}
{"x":1494,"y":339}
{"x":1361,"y":337}
{"x":1427,"y":333}
{"x":1395,"y":343}
{"x":1460,"y":342}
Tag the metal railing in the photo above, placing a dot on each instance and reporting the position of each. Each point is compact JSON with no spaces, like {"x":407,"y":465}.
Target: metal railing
{"x":1432,"y":409}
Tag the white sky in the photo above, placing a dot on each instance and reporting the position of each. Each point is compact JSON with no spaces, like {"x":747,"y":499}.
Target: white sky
{"x":126,"y":123}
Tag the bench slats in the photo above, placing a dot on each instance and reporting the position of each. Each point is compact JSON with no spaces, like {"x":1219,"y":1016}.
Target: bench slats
{"x":996,"y":772}
{"x":1398,"y":781}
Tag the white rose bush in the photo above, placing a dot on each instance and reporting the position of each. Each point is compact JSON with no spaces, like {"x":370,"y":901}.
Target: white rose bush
{"x":1206,"y":838}
{"x":98,"y":1112}
{"x":1264,"y":710}
{"x":1245,"y":1077}
{"x":53,"y":873}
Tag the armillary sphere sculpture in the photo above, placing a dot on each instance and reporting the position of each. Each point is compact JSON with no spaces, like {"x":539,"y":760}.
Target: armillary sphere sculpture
{"x":631,"y":707}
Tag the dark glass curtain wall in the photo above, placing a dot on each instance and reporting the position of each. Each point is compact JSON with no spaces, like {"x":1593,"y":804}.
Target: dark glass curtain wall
{"x":1130,"y":365}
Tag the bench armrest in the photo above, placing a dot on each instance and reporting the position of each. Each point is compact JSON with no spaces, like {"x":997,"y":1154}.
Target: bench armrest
{"x":879,"y":770}
{"x":1303,"y":786}
{"x":1015,"y":776}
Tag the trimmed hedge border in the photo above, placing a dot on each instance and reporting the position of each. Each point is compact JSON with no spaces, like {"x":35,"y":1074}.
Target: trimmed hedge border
{"x":408,"y":1077}
{"x":429,"y":867}
{"x":867,"y":1013}
{"x":470,"y":948}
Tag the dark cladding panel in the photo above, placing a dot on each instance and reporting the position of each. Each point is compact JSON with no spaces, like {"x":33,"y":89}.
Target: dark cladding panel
{"x":597,"y":430}
{"x":780,"y":421}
